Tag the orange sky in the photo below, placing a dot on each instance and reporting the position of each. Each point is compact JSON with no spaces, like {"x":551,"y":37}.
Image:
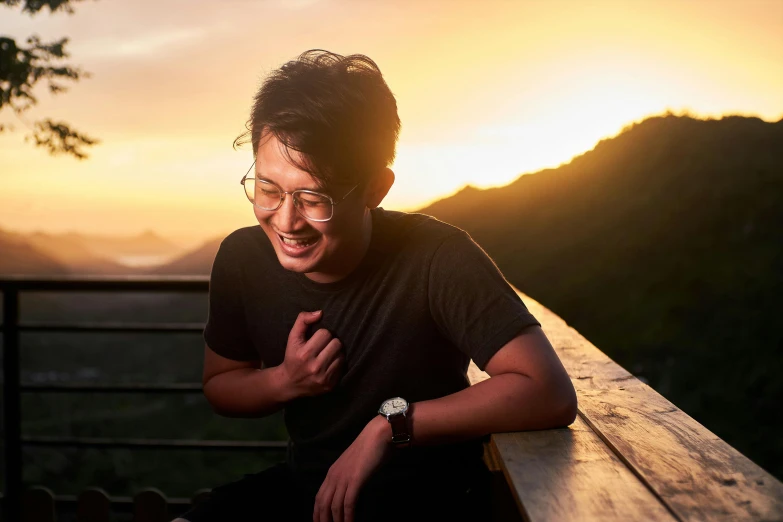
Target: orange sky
{"x":486,"y":91}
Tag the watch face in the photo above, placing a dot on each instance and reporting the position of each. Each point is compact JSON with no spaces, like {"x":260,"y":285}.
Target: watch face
{"x":394,"y":406}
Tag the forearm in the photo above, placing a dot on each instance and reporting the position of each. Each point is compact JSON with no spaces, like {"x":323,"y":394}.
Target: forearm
{"x":503,"y":403}
{"x":248,"y":392}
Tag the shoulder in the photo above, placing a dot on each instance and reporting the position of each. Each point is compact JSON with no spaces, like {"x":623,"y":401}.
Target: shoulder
{"x":243,"y":245}
{"x":415,"y":230}
{"x":245,"y":239}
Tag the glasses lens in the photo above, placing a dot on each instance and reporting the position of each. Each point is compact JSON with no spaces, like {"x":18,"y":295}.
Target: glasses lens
{"x":263,"y":194}
{"x":313,"y":205}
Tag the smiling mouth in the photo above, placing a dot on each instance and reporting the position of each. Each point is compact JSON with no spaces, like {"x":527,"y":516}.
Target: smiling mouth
{"x":298,"y":243}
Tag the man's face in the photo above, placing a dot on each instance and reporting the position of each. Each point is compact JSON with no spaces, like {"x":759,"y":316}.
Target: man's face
{"x":321,"y":250}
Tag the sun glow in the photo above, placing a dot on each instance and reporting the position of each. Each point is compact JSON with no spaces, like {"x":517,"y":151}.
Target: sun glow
{"x":485,"y":94}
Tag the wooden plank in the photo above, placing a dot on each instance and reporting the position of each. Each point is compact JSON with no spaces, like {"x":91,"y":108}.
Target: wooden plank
{"x":149,"y":505}
{"x":570,"y":474}
{"x":93,"y":506}
{"x":38,"y":505}
{"x":200,"y":495}
{"x":695,"y":473}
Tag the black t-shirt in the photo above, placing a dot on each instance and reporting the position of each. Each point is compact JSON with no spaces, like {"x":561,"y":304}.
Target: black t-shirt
{"x":423,"y":302}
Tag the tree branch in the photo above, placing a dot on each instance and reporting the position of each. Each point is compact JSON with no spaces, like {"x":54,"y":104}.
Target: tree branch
{"x":59,"y":138}
{"x":32,"y":7}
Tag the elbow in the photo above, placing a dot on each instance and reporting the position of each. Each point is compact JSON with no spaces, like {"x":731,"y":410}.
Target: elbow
{"x":225,"y":412}
{"x":214,"y":403}
{"x":569,"y":406}
{"x":216,"y":409}
{"x":569,"y":412}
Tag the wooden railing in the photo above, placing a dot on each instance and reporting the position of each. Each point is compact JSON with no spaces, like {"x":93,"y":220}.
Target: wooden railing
{"x":630,"y":455}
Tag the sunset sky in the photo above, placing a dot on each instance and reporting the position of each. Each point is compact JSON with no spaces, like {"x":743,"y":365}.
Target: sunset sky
{"x":486,"y":91}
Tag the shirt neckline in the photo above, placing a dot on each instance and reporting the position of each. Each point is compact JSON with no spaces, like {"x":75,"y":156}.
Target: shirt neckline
{"x":367,"y":261}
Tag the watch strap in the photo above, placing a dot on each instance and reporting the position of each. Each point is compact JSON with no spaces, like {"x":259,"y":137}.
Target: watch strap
{"x":401,"y":432}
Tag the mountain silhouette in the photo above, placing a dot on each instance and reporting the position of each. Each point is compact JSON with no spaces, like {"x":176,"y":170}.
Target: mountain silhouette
{"x":87,"y":254}
{"x":74,"y":252}
{"x":147,"y":243}
{"x":20,"y":257}
{"x":196,"y":262}
{"x":662,"y":246}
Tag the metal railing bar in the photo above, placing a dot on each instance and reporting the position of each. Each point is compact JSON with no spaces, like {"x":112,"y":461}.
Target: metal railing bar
{"x":113,"y":327}
{"x":96,"y":442}
{"x":122,"y":503}
{"x":112,"y":388}
{"x":116,"y":502}
{"x":12,"y":404}
{"x":135,"y":283}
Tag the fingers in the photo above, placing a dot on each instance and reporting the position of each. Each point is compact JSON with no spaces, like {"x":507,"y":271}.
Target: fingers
{"x":337,"y":502}
{"x":334,"y":369}
{"x":318,"y":341}
{"x":349,"y":502}
{"x":322,"y":512}
{"x":299,"y":329}
{"x":330,"y":502}
{"x":332,"y":350}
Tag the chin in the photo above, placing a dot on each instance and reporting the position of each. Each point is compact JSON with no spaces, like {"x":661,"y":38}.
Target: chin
{"x":295,"y":265}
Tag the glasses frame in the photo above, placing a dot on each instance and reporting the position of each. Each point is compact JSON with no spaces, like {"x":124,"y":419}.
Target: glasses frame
{"x":293,"y":193}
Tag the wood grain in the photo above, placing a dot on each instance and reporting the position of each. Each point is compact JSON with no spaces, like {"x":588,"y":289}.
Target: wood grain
{"x":695,"y":473}
{"x":570,"y":474}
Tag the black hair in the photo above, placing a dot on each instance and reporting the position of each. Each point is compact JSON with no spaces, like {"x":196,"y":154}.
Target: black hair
{"x":336,"y":111}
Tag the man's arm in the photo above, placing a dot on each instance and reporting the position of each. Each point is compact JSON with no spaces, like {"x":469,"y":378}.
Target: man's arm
{"x":528,"y":389}
{"x":242,"y":388}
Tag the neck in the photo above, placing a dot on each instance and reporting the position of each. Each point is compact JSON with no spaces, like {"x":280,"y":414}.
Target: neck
{"x":355,"y":254}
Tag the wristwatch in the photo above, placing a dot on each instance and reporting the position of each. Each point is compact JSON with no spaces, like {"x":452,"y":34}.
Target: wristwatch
{"x":396,"y":412}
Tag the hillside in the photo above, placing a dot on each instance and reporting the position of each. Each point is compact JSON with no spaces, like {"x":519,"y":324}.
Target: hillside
{"x":198,"y":261}
{"x":145,"y":244}
{"x":662,"y":247}
{"x":73,"y":251}
{"x":84,"y":254}
{"x":19,"y":257}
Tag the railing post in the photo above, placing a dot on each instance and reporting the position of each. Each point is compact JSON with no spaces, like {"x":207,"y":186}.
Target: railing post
{"x":12,"y":419}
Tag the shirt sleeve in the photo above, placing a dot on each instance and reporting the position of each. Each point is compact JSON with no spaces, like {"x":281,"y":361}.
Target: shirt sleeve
{"x":226,"y":331}
{"x":471,"y":301}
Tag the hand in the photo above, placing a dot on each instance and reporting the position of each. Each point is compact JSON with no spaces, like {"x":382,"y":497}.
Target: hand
{"x":311,"y":367}
{"x":336,"y":500}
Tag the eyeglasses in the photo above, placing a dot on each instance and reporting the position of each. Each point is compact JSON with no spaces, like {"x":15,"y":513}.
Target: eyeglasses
{"x":311,"y":205}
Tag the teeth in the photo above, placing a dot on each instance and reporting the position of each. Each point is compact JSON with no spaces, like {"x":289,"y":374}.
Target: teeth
{"x":298,"y":243}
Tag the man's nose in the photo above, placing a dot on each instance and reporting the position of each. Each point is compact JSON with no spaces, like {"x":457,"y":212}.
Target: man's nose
{"x":287,"y":214}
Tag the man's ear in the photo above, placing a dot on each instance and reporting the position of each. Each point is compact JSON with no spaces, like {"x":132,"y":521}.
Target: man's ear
{"x":379,"y":187}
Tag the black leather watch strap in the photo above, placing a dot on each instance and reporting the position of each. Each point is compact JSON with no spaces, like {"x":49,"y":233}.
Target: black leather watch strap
{"x":401,"y":429}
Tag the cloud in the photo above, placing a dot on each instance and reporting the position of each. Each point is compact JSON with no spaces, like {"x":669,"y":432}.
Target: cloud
{"x":296,"y":4}
{"x":139,"y":46}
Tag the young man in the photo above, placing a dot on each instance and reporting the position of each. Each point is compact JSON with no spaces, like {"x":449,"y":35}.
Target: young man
{"x":360,"y":323}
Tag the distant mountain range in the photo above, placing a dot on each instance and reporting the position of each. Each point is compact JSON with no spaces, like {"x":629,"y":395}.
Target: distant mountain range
{"x":73,"y":253}
{"x":17,"y":256}
{"x":196,"y":262}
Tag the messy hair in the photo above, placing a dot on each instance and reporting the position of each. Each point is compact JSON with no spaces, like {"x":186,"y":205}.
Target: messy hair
{"x":336,"y":111}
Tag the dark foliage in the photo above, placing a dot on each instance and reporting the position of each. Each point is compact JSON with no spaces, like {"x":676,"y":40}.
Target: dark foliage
{"x":662,"y":246}
{"x":22,"y":67}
